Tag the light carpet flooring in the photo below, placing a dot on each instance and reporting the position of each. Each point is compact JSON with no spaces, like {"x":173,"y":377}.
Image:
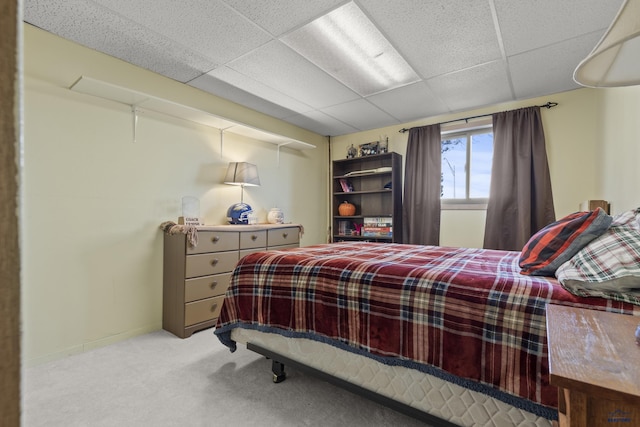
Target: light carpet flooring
{"x":158,"y":379}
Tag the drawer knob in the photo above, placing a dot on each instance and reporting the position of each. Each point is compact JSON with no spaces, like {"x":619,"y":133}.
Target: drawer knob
{"x":215,"y":239}
{"x":214,"y":284}
{"x":214,"y":261}
{"x":254,"y":237}
{"x":285,"y":235}
{"x":214,"y":306}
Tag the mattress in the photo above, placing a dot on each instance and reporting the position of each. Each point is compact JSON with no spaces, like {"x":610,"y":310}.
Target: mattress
{"x":419,"y":390}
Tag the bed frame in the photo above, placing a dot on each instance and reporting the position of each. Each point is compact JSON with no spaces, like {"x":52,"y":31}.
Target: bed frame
{"x":279,"y":361}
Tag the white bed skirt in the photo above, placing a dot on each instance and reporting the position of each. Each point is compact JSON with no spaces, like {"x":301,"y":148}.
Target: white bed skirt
{"x":422,"y":391}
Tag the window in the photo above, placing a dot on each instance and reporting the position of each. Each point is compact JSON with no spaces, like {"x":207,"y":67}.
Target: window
{"x":466,"y":168}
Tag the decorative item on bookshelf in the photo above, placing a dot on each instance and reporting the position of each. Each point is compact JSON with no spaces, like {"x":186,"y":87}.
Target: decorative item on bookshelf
{"x":383,"y":147}
{"x":351,"y":152}
{"x":357,"y":229}
{"x":369,"y":149}
{"x":346,"y":209}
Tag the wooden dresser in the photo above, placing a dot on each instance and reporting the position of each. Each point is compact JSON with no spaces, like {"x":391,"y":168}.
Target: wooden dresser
{"x":595,"y":363}
{"x":196,"y":278}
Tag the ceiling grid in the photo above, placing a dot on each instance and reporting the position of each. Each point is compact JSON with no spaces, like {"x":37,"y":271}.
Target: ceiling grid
{"x":282,"y":57}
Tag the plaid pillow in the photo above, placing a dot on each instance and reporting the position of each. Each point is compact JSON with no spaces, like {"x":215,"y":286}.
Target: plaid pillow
{"x":556,"y":243}
{"x":609,"y":266}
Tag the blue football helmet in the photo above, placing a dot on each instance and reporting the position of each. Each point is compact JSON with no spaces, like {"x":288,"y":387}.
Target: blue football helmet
{"x":239,"y":213}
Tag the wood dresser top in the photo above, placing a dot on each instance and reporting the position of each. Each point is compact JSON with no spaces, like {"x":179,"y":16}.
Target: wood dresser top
{"x":594,"y":352}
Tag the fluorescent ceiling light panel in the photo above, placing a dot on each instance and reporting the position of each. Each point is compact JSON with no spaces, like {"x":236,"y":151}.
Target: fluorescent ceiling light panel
{"x":346,"y":45}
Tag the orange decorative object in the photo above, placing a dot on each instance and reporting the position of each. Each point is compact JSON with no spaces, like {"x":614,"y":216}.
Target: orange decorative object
{"x":346,"y":209}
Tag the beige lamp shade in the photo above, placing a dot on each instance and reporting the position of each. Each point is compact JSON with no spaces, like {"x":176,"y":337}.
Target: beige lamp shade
{"x":242,"y":173}
{"x":615,"y":61}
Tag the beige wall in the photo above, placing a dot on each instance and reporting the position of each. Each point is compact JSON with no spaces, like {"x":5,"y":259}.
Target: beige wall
{"x":575,"y":144}
{"x":94,"y":198}
{"x":619,"y":147}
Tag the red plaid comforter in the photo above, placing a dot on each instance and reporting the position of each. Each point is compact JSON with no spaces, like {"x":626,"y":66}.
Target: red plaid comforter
{"x":467,"y":312}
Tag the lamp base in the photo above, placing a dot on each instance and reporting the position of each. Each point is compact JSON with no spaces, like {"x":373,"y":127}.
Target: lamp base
{"x":239,"y":213}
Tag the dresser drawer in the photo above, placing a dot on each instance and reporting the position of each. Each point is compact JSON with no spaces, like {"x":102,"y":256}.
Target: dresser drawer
{"x":253,"y":239}
{"x":203,"y":310}
{"x":215,"y":241}
{"x":206,"y":287}
{"x":283,"y":236}
{"x":208,"y":264}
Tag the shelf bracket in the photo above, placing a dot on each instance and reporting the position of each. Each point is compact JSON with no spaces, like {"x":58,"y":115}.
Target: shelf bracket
{"x":221,"y":141}
{"x":134,"y":112}
{"x":278,"y":151}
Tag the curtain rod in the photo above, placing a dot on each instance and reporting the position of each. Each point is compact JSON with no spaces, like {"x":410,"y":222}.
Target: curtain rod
{"x":466,"y":119}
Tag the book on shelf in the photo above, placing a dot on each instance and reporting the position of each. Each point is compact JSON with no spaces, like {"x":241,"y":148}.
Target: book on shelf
{"x":377,"y":221}
{"x":346,"y":185}
{"x":377,"y":231}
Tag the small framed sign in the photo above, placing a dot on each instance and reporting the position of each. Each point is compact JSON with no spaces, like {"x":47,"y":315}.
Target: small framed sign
{"x":189,"y":221}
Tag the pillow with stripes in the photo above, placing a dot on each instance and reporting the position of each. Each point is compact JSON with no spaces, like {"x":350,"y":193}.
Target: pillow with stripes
{"x":559,"y":241}
{"x":609,"y":266}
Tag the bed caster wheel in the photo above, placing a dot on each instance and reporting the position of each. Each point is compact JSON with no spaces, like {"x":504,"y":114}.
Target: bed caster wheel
{"x":278,"y":372}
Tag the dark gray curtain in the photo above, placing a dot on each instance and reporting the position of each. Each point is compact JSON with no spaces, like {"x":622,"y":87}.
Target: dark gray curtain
{"x":520,"y":198}
{"x":421,"y":202}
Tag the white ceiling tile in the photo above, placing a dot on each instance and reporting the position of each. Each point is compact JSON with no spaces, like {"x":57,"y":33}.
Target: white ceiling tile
{"x":474,"y":87}
{"x":280,"y":16}
{"x":320,"y":123}
{"x":533,"y":24}
{"x":114,"y":35}
{"x":360,"y":114}
{"x":438,"y":36}
{"x":549,"y":69}
{"x":277,"y":66}
{"x":408,"y":103}
{"x":209,"y":27}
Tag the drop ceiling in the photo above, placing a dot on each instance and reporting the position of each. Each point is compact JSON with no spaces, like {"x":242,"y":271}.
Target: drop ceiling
{"x":266,"y":54}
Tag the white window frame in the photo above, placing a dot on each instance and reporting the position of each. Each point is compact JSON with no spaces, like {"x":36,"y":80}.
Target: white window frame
{"x":466,"y":131}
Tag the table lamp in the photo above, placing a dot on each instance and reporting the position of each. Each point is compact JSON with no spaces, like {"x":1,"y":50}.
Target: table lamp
{"x":242,"y":174}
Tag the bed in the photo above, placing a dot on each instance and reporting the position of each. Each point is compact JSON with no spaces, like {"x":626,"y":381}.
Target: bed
{"x":453,"y":336}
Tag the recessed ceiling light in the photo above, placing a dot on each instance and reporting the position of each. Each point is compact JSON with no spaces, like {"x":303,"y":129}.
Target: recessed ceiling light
{"x":349,"y":47}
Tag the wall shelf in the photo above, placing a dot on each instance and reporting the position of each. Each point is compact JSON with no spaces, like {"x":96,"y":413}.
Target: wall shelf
{"x":139,"y":100}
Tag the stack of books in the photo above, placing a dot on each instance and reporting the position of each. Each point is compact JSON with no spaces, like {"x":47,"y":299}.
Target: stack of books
{"x":377,"y":227}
